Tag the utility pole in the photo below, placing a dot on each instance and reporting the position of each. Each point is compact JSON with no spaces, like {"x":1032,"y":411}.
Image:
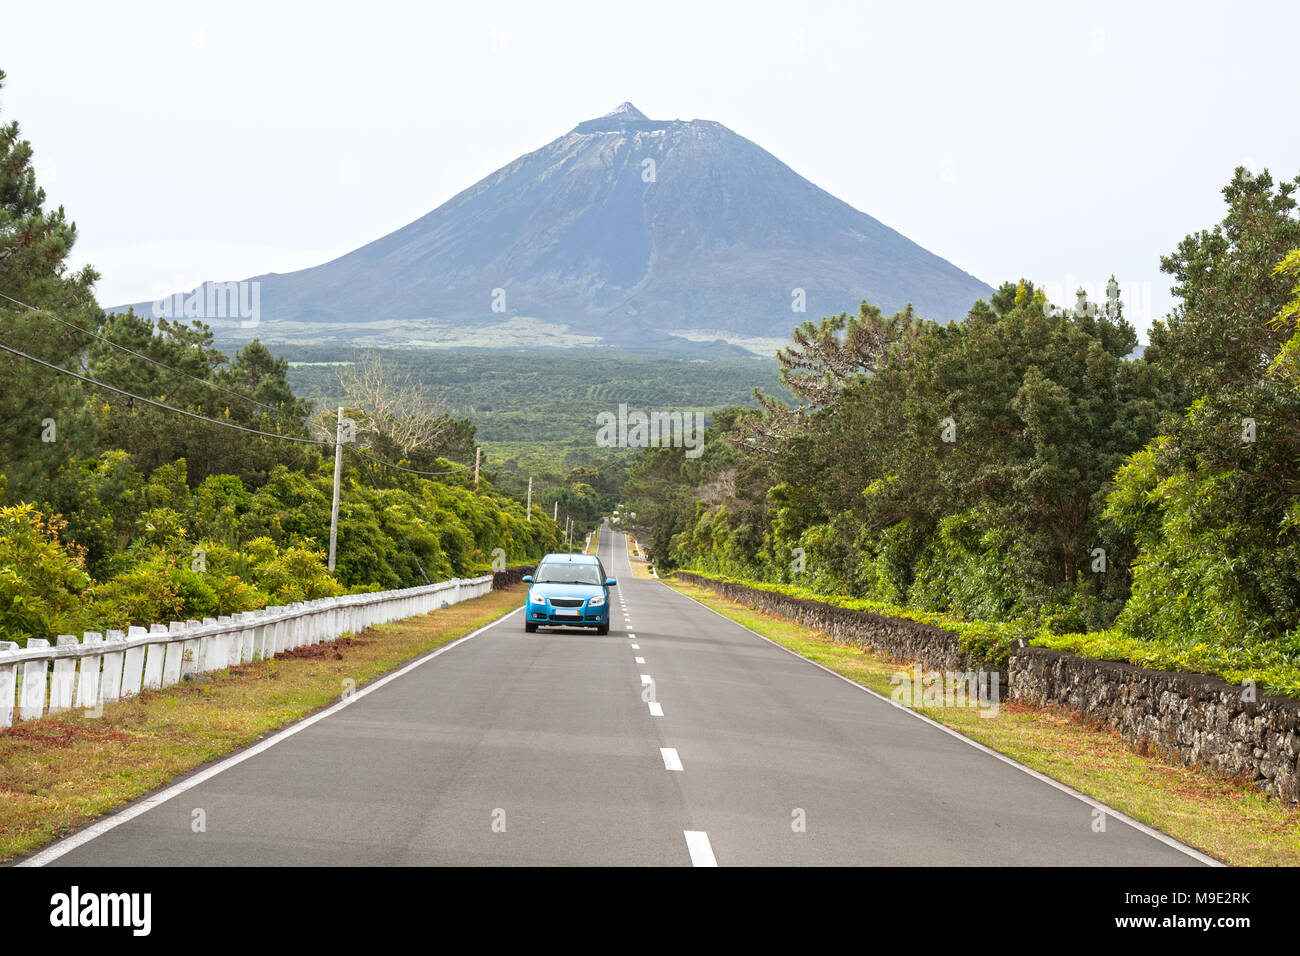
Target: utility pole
{"x":478,"y":456}
{"x":530,"y":498}
{"x":555,"y":515}
{"x":338,"y":472}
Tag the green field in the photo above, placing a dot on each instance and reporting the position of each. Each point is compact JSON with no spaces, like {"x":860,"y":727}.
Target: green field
{"x":548,"y":395}
{"x":535,"y":411}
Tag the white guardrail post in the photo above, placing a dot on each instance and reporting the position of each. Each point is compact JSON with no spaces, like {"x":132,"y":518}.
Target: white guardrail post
{"x":133,"y":665}
{"x":64,"y":676}
{"x":8,"y":682}
{"x":110,"y":681}
{"x":153,"y":659}
{"x":40,"y":679}
{"x":175,"y":654}
{"x":88,"y":681}
{"x":32,"y":682}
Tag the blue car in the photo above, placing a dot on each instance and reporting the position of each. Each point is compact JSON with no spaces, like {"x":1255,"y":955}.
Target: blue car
{"x":568,"y":590}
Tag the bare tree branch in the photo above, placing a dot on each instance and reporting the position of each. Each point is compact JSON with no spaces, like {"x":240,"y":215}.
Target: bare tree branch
{"x":391,"y":404}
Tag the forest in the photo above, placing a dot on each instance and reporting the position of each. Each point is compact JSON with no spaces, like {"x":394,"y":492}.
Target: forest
{"x":146,"y":476}
{"x":1027,"y":468}
{"x":535,"y":411}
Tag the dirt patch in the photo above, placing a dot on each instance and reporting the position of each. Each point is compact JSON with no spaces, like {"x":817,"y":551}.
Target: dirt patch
{"x":333,"y":650}
{"x":55,"y":734}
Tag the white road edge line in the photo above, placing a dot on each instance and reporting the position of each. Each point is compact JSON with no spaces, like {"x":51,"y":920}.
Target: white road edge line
{"x":638,"y":660}
{"x":1138,"y":825}
{"x":145,"y":804}
{"x":646,"y":679}
{"x":671,"y":760}
{"x":656,"y":708}
{"x":697,"y":844}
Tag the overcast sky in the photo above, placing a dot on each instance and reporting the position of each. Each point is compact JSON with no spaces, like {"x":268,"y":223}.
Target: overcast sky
{"x":1059,"y":141}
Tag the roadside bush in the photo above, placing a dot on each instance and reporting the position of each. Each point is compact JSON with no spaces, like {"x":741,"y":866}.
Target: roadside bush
{"x":42,"y":580}
{"x":968,"y":567}
{"x":151,"y":592}
{"x":293,"y":574}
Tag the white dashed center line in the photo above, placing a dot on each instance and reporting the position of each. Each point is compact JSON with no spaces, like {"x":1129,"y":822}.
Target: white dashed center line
{"x":697,"y":844}
{"x":671,"y":760}
{"x":639,"y":660}
{"x":656,"y":708}
{"x":646,"y":679}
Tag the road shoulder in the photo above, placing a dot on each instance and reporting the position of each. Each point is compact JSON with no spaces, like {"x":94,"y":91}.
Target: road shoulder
{"x":1222,"y":818}
{"x":60,"y":774}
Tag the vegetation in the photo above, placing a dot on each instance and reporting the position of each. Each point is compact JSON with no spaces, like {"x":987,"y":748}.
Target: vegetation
{"x":115,"y":510}
{"x":1026,"y":468}
{"x":535,"y":412}
{"x":545,"y":395}
{"x":987,"y":642}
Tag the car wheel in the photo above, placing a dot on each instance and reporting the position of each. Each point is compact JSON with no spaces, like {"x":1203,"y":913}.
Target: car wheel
{"x":602,"y":629}
{"x":530,"y":627}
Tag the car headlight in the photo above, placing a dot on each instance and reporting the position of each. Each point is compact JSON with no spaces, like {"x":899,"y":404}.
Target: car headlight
{"x":536,"y":598}
{"x":596,"y":601}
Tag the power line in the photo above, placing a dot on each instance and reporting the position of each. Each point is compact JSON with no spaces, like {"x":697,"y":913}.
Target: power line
{"x":380,"y":461}
{"x":336,"y":444}
{"x":194,"y":378}
{"x":157,"y":404}
{"x":215,"y":421}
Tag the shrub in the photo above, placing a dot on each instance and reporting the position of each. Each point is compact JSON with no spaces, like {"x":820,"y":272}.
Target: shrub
{"x":42,"y":580}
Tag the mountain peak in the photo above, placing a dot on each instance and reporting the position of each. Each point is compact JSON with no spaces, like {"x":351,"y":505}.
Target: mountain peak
{"x":623,"y":118}
{"x":627,"y":111}
{"x":584,"y":242}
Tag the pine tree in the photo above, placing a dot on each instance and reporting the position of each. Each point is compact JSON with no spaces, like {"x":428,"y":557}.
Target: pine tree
{"x":44,"y":416}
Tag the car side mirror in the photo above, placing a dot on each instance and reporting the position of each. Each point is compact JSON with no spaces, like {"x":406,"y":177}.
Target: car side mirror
{"x":528,"y":579}
{"x":610,"y":582}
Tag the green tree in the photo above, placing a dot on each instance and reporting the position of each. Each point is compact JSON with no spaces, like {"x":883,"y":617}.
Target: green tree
{"x":43,"y":417}
{"x":42,"y":580}
{"x":1214,"y":502}
{"x":961,"y":467}
{"x":183,"y":369}
{"x":1225,"y":330}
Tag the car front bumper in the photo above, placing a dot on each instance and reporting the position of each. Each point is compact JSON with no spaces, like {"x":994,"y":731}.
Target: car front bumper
{"x":588,"y":617}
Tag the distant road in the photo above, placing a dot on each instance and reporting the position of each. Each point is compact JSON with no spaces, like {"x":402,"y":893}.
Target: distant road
{"x":514,"y":748}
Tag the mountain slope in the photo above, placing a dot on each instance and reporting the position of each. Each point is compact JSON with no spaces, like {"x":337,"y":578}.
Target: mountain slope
{"x":622,"y":229}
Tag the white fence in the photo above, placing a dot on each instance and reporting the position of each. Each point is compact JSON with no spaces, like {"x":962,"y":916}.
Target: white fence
{"x":109,"y":666}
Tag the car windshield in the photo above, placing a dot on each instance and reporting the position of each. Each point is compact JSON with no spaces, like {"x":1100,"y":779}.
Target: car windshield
{"x":556,"y":573}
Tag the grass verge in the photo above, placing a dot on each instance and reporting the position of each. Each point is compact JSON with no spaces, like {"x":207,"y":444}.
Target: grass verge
{"x":640,"y":567}
{"x":1227,"y":819}
{"x":59,"y":773}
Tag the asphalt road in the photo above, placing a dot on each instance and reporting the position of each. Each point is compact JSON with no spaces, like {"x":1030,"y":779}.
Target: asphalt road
{"x":515,"y":748}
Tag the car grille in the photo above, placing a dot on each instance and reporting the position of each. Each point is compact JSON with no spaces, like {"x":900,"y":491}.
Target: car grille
{"x":566,"y":602}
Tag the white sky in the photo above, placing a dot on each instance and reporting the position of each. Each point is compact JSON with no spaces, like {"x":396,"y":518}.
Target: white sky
{"x":1060,"y":141}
